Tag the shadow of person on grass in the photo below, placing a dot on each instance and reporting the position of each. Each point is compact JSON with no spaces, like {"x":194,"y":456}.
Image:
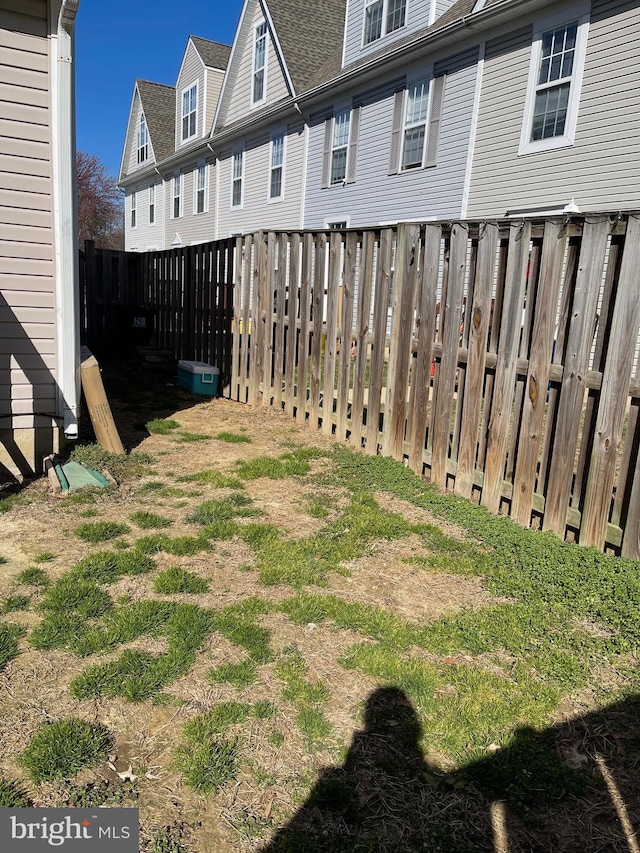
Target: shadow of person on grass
{"x":569,"y":788}
{"x":385,"y":797}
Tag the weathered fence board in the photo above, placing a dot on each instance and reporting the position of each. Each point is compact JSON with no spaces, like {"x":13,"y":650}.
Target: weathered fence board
{"x":505,"y":365}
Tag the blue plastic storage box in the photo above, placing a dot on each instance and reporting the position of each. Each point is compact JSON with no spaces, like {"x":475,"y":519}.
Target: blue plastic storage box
{"x":198,"y":377}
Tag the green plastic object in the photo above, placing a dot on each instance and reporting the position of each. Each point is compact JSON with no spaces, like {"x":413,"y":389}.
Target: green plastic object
{"x":74,"y":475}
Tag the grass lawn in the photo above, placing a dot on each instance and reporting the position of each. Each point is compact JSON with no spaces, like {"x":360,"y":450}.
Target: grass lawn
{"x":268,"y":642}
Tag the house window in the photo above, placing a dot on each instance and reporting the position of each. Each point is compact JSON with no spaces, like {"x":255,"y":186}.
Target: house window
{"x":340,"y":147}
{"x":133,"y":209}
{"x":277,"y":165}
{"x":417,"y":118}
{"x":200,"y":184}
{"x":143,"y":140}
{"x":176,"y":210}
{"x":152,"y":204}
{"x":415,"y":125}
{"x":382,"y":17}
{"x":555,"y":79}
{"x":259,"y":63}
{"x":236,"y":186}
{"x":189,"y":112}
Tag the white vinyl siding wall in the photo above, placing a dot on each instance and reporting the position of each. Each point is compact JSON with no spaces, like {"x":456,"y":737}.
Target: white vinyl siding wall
{"x":602,"y":169}
{"x":27,"y":300}
{"x":192,"y":228}
{"x":238,"y":96}
{"x":213,"y":81}
{"x":376,"y":196}
{"x":145,"y":234}
{"x":192,"y":72}
{"x":256,"y":212}
{"x":417,"y":17}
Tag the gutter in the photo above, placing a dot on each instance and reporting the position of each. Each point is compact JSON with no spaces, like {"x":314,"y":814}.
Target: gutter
{"x":442,"y":37}
{"x":63,"y":164}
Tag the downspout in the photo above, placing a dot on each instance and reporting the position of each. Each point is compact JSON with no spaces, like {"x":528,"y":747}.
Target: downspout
{"x":65,"y":213}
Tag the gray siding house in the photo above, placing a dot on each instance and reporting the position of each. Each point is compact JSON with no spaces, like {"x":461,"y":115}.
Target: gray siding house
{"x":376,"y":111}
{"x":39,"y":337}
{"x":573,"y":136}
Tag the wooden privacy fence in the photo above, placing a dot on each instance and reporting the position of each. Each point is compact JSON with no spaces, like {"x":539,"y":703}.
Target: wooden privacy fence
{"x":185,"y":294}
{"x":499,"y":360}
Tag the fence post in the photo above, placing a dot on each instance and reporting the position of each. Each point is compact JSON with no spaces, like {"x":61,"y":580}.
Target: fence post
{"x":613,"y":396}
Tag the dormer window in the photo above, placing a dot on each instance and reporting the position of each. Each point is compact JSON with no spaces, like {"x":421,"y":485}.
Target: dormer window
{"x":189,"y":112}
{"x":382,"y":17}
{"x":143,"y":140}
{"x":259,"y":63}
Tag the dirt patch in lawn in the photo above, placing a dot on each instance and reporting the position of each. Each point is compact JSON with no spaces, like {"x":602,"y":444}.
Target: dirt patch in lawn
{"x":300,"y":712}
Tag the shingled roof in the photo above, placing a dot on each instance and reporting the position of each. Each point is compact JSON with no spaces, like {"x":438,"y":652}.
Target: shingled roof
{"x":214,"y":54}
{"x":159,"y":105}
{"x":307,"y":36}
{"x":332,"y":66}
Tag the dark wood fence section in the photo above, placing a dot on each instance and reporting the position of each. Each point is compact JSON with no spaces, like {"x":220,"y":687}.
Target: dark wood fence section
{"x":498,"y":360}
{"x":186,"y":297}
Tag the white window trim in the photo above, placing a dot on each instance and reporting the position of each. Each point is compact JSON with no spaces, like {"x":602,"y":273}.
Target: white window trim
{"x":401,"y":166}
{"x":334,"y":148}
{"x":384,"y":33}
{"x":205,"y":208}
{"x":263,"y":99}
{"x":152,"y":203}
{"x":233,"y":156}
{"x":143,"y":149}
{"x":195,"y":86}
{"x":133,"y":214}
{"x":274,"y":199}
{"x":580,"y":13}
{"x":178,"y":178}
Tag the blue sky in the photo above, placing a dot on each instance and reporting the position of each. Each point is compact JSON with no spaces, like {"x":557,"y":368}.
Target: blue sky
{"x":119,"y":40}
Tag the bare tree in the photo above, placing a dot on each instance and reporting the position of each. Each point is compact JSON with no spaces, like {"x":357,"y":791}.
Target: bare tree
{"x":100,"y":208}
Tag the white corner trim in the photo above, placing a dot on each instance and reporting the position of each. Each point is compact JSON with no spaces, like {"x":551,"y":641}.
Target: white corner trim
{"x":278,"y":47}
{"x":466,"y":187}
{"x":65,"y":216}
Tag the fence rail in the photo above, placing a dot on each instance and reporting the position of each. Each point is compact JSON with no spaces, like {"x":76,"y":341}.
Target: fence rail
{"x":499,"y":360}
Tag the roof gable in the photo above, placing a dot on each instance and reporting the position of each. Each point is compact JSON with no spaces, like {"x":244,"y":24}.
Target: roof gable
{"x":158,"y":103}
{"x":214,"y":54}
{"x":154,"y":102}
{"x":298,"y":46}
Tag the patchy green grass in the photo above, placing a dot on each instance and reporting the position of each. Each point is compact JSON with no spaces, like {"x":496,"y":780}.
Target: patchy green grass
{"x":44,"y":557}
{"x":33,"y":576}
{"x":9,"y":636}
{"x":177,"y":580}
{"x":190,"y":437}
{"x":12,"y":796}
{"x":239,"y":624}
{"x":178,"y":546}
{"x":14,"y":602}
{"x":294,"y":464}
{"x":101,"y":531}
{"x":233,"y":438}
{"x":161,"y":426}
{"x":207,"y":758}
{"x":149,"y":520}
{"x":240,"y":674}
{"x":300,"y":562}
{"x":137,"y":676}
{"x":59,"y":749}
{"x":307,"y":696}
{"x":212,"y":478}
{"x":237,"y":505}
